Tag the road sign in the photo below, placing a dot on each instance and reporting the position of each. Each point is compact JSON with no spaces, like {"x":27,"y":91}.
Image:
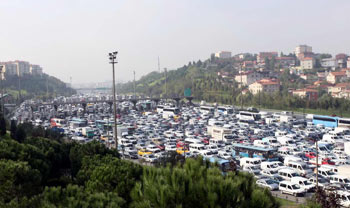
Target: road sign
{"x":188,"y":92}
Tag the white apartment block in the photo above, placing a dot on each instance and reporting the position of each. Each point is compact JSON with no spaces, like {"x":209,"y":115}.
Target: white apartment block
{"x":23,"y":67}
{"x":223,"y":54}
{"x":307,"y":63}
{"x":9,"y":68}
{"x":247,"y":78}
{"x":348,"y":63}
{"x":302,"y":49}
{"x":329,"y":63}
{"x":36,"y":70}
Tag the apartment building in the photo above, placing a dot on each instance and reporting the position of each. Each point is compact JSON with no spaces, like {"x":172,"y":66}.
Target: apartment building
{"x":247,"y":78}
{"x":223,"y":54}
{"x":310,"y":94}
{"x":301,"y":50}
{"x":336,"y":77}
{"x":265,"y":86}
{"x":36,"y":70}
{"x":329,"y":63}
{"x":307,"y":63}
{"x":262,"y":55}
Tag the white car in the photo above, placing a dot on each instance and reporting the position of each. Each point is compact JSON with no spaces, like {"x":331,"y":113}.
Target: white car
{"x":269,"y":173}
{"x":266,"y":183}
{"x":291,"y":188}
{"x":150,"y":158}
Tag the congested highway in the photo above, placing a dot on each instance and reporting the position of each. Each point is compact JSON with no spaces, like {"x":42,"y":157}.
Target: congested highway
{"x":278,"y":148}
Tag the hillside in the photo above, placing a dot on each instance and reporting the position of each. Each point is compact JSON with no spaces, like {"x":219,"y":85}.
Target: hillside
{"x":205,"y":84}
{"x":35,"y":86}
{"x":200,"y":76}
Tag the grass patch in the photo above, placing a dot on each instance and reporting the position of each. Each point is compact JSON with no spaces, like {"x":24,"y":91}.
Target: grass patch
{"x":286,"y":203}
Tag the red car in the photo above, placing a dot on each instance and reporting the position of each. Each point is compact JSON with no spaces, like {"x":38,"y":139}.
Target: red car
{"x":310,"y":155}
{"x":327,"y":161}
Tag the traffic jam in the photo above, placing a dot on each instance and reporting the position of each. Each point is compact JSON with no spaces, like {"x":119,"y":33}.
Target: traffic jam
{"x":286,"y":152}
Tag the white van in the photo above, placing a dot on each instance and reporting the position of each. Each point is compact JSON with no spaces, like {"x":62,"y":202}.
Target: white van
{"x":250,"y":161}
{"x":291,"y":188}
{"x":300,"y":167}
{"x":266,"y":165}
{"x":344,"y":197}
{"x":287,"y":173}
{"x":325,"y":172}
{"x":292,"y":159}
{"x":196,"y":148}
{"x":303,"y":183}
{"x":339,"y":179}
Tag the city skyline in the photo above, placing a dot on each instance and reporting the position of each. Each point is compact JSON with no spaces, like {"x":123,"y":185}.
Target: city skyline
{"x":72,"y":39}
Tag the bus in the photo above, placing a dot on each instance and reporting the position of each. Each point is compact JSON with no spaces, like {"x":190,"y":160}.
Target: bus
{"x":251,"y":151}
{"x":160,"y":108}
{"x":207,"y":109}
{"x":170,"y":112}
{"x":224,"y":165}
{"x":248,"y":116}
{"x":225,"y":110}
{"x":327,"y":121}
{"x":343,"y":122}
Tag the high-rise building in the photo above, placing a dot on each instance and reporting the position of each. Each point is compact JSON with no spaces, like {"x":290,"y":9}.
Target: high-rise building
{"x":36,"y":69}
{"x":262,"y":55}
{"x":302,"y":49}
{"x":223,"y":54}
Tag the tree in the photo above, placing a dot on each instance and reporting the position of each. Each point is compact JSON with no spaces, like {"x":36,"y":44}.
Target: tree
{"x":13,"y":129}
{"x":2,"y":125}
{"x":197,"y":184}
{"x":20,"y":134}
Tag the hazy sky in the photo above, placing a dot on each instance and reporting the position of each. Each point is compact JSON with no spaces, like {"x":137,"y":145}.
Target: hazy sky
{"x":71,"y":38}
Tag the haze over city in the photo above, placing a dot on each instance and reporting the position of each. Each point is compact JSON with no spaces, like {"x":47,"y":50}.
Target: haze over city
{"x":73,"y":38}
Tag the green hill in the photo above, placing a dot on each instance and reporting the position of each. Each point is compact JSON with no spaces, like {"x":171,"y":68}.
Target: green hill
{"x":35,"y":86}
{"x":200,"y":76}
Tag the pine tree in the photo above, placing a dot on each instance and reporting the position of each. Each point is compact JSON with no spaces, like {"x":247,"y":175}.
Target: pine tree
{"x":2,"y":125}
{"x":13,"y":129}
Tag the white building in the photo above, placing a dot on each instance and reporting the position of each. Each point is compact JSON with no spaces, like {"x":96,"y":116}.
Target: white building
{"x":247,"y":78}
{"x":329,"y":63}
{"x":302,"y":49}
{"x":10,"y":68}
{"x":36,"y":70}
{"x":307,"y":63}
{"x":223,"y":54}
{"x":23,"y":67}
{"x":348,"y":63}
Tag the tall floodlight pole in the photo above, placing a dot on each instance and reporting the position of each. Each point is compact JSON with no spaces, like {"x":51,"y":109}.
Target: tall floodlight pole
{"x":2,"y":91}
{"x":134,"y":86}
{"x":166,"y":87}
{"x":241,"y":88}
{"x":316,"y":163}
{"x":112,"y":58}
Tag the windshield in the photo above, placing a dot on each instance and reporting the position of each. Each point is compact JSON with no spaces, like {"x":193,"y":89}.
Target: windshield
{"x":270,"y":182}
{"x":346,"y":180}
{"x":256,"y":162}
{"x":294,"y":174}
{"x":294,"y":186}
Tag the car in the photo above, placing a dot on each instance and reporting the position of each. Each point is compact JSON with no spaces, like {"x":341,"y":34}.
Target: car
{"x":268,"y":183}
{"x":291,"y":188}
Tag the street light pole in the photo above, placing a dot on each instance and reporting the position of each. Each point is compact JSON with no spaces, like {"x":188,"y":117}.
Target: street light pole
{"x":112,"y":58}
{"x":2,"y":92}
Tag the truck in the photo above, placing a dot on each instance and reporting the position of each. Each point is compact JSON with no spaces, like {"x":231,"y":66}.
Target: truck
{"x":347,"y":148}
{"x":286,"y":118}
{"x":88,"y":132}
{"x":218,"y":132}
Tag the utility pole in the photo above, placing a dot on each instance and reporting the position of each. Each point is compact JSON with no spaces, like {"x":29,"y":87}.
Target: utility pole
{"x":158,"y":65}
{"x":47,"y":87}
{"x":19,"y":88}
{"x":134,"y":86}
{"x":166,"y":87}
{"x":112,"y":58}
{"x":241,"y":88}
{"x":2,"y":93}
{"x":316,"y":163}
